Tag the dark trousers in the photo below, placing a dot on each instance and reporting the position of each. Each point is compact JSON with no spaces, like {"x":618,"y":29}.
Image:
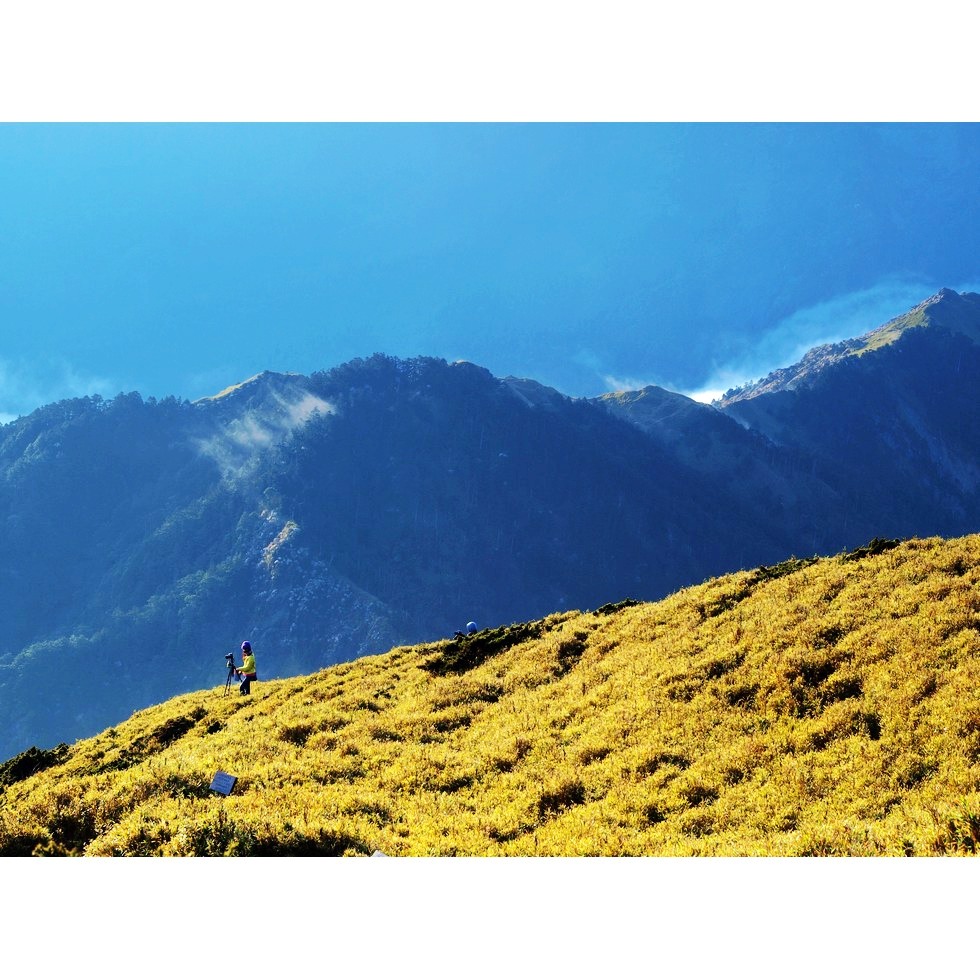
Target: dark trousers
{"x":244,"y":687}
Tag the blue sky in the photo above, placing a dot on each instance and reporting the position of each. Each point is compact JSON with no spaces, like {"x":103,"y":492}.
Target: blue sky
{"x":180,"y":258}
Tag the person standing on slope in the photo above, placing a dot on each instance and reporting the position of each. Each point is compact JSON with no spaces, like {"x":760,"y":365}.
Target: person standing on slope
{"x":247,"y":670}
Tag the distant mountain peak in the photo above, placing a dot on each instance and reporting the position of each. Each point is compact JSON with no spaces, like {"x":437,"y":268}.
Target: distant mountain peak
{"x":945,"y":310}
{"x":534,"y":394}
{"x":652,"y":405}
{"x":264,"y":379}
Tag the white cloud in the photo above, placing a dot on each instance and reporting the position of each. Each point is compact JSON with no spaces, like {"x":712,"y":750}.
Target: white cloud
{"x":301,"y":412}
{"x":238,"y":443}
{"x":24,"y":388}
{"x":706,"y":395}
{"x":841,"y":318}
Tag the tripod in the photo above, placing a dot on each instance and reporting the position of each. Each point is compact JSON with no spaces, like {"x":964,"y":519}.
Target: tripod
{"x":232,"y":671}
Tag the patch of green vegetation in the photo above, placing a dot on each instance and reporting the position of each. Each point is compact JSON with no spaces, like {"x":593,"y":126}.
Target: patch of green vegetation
{"x":876,"y":546}
{"x":34,"y":760}
{"x":766,"y":573}
{"x":469,"y":652}
{"x":614,"y":607}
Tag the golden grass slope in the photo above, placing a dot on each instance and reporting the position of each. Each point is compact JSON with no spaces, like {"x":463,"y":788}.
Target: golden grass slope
{"x":824,"y":707}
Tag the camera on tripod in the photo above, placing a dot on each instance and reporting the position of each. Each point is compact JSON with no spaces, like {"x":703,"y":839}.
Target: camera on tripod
{"x":232,"y":670}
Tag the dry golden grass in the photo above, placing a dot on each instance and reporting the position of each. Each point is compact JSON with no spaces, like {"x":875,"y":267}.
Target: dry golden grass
{"x":825,"y":707}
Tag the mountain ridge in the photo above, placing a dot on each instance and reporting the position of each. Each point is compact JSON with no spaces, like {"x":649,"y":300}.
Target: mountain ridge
{"x":946,"y":309}
{"x":389,"y":501}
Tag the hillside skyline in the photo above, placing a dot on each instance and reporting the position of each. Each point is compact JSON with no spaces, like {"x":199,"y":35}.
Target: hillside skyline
{"x":745,"y":383}
{"x":174,"y":259}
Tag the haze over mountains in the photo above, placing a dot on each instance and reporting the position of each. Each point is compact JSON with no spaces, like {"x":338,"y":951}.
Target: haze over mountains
{"x":390,"y":501}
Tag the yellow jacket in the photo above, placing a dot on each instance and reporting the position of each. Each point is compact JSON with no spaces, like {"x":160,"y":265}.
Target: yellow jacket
{"x":248,"y":664}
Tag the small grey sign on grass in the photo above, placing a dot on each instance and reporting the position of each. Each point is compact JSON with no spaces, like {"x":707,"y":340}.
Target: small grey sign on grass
{"x":223,"y":782}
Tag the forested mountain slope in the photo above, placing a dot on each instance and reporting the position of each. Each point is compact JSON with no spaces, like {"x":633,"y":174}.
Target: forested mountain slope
{"x":323,"y":518}
{"x":391,"y":501}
